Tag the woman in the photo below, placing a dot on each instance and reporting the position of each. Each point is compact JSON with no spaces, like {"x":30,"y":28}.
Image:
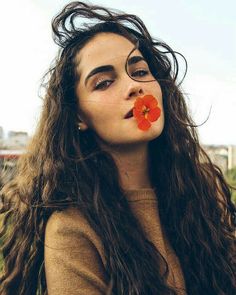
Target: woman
{"x":115,"y":195}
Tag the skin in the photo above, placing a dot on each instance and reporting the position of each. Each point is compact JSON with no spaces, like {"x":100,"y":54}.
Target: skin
{"x":106,"y":98}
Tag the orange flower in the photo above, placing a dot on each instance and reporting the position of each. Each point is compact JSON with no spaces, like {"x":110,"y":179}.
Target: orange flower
{"x":146,"y":111}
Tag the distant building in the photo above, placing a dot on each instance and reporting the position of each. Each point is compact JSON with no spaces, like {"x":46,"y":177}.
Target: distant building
{"x":222,"y":155}
{"x":1,"y":136}
{"x":16,"y":140}
{"x":218,"y":155}
{"x":231,"y":156}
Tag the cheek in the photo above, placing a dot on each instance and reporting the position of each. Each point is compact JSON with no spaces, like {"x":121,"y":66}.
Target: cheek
{"x":160,"y":98}
{"x":157,"y":92}
{"x":95,"y":113}
{"x":155,"y":89}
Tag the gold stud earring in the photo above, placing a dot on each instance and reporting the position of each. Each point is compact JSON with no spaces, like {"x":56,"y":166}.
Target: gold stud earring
{"x":81,"y":126}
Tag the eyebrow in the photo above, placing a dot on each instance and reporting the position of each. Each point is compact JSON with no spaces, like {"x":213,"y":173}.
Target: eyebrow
{"x":110,"y":68}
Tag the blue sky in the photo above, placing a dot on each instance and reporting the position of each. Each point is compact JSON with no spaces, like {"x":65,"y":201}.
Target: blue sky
{"x":204,"y":31}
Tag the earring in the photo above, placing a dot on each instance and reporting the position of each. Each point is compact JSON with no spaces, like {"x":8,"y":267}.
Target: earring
{"x":81,"y":127}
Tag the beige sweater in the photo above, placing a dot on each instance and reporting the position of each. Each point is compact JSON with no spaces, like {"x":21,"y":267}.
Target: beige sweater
{"x":74,"y":257}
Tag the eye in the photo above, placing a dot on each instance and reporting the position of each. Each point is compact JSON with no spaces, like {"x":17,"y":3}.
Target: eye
{"x":140,"y":73}
{"x":102,"y":85}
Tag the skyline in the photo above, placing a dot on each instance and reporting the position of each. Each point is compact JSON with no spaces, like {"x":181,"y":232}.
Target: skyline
{"x":203,"y":32}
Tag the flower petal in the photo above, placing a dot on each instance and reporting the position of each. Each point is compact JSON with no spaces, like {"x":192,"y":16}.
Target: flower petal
{"x":154,"y":114}
{"x":150,"y":101}
{"x":139,"y":103}
{"x":137,"y":113}
{"x":144,"y":125}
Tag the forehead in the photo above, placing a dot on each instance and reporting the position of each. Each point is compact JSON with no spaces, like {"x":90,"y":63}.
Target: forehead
{"x":104,"y":48}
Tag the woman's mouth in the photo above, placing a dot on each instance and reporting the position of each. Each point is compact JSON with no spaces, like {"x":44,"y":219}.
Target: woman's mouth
{"x":129,"y":114}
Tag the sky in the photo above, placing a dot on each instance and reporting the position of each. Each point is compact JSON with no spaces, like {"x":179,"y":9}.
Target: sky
{"x":203,"y":31}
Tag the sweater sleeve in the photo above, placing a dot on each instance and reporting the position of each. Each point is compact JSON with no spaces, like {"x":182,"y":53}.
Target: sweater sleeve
{"x":73,"y":265}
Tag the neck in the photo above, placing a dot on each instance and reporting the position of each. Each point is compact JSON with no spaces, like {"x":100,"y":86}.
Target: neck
{"x":132,"y":163}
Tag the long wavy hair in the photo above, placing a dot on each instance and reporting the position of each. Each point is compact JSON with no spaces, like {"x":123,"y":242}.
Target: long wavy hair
{"x":63,"y":167}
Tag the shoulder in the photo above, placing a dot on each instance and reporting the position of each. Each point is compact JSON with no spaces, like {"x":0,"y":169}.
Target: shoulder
{"x":71,"y":219}
{"x":70,"y":226}
{"x":73,"y":255}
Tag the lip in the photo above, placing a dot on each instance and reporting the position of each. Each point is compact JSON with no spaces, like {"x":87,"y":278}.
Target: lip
{"x":129,"y":114}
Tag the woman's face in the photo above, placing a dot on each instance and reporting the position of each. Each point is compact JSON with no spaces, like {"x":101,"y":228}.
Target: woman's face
{"x":106,"y":93}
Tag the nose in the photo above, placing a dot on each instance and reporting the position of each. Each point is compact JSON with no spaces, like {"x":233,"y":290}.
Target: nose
{"x":135,"y":89}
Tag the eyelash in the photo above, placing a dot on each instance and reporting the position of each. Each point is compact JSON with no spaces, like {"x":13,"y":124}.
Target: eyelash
{"x":102,"y":85}
{"x":146,"y":72}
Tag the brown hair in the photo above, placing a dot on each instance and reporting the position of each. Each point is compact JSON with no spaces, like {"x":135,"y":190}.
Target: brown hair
{"x":62,"y":168}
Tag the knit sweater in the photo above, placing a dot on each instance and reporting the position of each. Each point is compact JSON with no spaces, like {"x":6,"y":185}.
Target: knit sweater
{"x":74,"y":256}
